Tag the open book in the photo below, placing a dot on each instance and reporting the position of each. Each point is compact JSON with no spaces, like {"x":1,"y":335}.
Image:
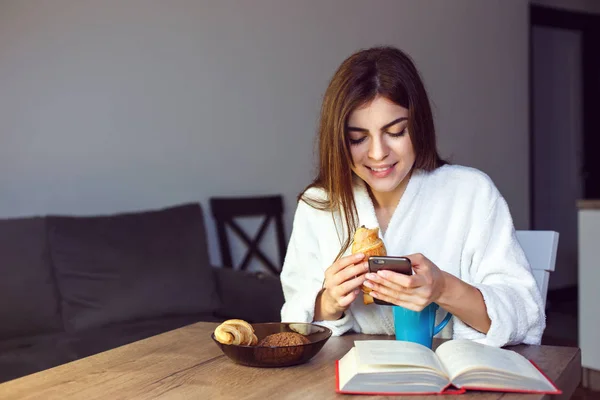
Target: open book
{"x":396,"y":367}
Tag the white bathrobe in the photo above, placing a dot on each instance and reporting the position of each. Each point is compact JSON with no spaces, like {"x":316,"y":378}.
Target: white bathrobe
{"x":454,"y":216}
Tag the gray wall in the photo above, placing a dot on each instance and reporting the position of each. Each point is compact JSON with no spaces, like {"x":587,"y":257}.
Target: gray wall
{"x":114,"y":105}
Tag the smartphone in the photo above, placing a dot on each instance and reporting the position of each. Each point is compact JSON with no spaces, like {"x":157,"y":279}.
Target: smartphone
{"x":401,"y":265}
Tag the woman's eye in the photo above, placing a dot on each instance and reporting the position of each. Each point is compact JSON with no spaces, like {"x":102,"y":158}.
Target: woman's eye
{"x":357,"y":141}
{"x":397,"y":134}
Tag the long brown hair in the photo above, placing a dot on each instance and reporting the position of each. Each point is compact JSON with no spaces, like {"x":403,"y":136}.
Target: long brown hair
{"x":383,"y":71}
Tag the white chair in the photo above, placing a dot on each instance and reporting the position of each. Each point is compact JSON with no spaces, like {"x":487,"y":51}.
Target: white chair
{"x":540,"y":249}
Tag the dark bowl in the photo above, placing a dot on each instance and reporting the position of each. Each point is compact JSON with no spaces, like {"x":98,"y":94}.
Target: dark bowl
{"x":283,"y":356}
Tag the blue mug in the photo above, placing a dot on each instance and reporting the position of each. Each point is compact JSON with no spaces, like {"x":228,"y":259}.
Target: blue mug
{"x":418,"y":327}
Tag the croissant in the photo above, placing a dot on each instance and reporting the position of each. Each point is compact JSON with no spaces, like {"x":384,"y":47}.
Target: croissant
{"x":367,"y":241}
{"x":236,"y":332}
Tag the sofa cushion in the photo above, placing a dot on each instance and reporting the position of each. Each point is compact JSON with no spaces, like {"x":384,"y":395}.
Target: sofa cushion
{"x":91,"y":341}
{"x":251,"y":296}
{"x":26,"y":355}
{"x":131,"y":266}
{"x":36,"y":355}
{"x":28,"y":296}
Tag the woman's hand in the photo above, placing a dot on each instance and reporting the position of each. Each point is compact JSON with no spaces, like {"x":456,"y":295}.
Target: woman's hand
{"x":429,"y":285}
{"x":414,"y":292}
{"x":341,"y":287}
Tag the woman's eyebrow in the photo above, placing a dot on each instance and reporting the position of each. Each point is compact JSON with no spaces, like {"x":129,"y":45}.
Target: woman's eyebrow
{"x":394,"y":122}
{"x":388,"y":125}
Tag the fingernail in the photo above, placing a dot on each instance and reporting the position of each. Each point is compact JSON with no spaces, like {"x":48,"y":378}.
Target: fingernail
{"x":383,"y":274}
{"x":371,"y":276}
{"x":359,"y":256}
{"x":356,"y":291}
{"x":366,"y":265}
{"x":373,"y":294}
{"x":368,"y":284}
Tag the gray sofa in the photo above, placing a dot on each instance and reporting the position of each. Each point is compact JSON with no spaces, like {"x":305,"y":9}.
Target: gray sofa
{"x":74,"y":286}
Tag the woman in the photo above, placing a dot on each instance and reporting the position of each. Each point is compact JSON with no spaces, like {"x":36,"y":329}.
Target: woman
{"x":379,"y":167}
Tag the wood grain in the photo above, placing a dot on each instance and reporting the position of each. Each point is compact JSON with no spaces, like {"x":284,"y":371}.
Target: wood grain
{"x":185,"y":363}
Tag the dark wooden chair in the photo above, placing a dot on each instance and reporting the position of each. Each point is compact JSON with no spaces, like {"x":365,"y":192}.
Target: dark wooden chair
{"x":226,"y":210}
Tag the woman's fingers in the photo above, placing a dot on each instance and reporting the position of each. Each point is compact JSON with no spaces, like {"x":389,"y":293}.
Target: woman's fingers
{"x":350,"y":285}
{"x":419,"y":296}
{"x":395,"y":281}
{"x":346,"y":300}
{"x":340,"y":273}
{"x":345,"y":261}
{"x":414,"y":292}
{"x":387,"y":291}
{"x":344,"y":278}
{"x":345,"y":293}
{"x":352,"y":271}
{"x":402,"y":300}
{"x":344,"y":286}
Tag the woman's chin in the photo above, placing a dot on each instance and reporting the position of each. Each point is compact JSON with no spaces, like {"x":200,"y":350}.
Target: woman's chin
{"x":383,"y":187}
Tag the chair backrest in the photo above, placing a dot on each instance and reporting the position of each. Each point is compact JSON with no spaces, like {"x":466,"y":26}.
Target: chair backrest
{"x":225,"y":210}
{"x":540,"y":249}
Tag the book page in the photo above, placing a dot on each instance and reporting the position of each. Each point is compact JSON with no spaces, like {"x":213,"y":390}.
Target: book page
{"x":397,"y":353}
{"x":459,"y":356}
{"x":353,"y":378}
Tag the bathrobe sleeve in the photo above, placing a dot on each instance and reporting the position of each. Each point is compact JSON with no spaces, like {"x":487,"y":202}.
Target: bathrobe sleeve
{"x":304,"y":271}
{"x":501,"y":272}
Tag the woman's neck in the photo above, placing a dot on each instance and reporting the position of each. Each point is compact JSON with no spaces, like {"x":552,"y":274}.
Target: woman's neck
{"x":385,"y":203}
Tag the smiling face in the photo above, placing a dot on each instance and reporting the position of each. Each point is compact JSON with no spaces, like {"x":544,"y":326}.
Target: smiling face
{"x":382,"y":151}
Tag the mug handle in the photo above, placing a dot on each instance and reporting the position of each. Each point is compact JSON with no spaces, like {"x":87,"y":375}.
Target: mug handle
{"x":442,"y":324}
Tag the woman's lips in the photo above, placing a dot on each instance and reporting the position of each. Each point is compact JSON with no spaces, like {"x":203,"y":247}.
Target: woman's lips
{"x":381,"y":172}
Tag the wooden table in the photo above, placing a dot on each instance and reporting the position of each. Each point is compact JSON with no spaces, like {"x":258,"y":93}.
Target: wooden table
{"x":186,"y":364}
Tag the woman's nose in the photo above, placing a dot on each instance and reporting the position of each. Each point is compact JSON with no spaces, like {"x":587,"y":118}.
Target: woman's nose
{"x":378,"y":149}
